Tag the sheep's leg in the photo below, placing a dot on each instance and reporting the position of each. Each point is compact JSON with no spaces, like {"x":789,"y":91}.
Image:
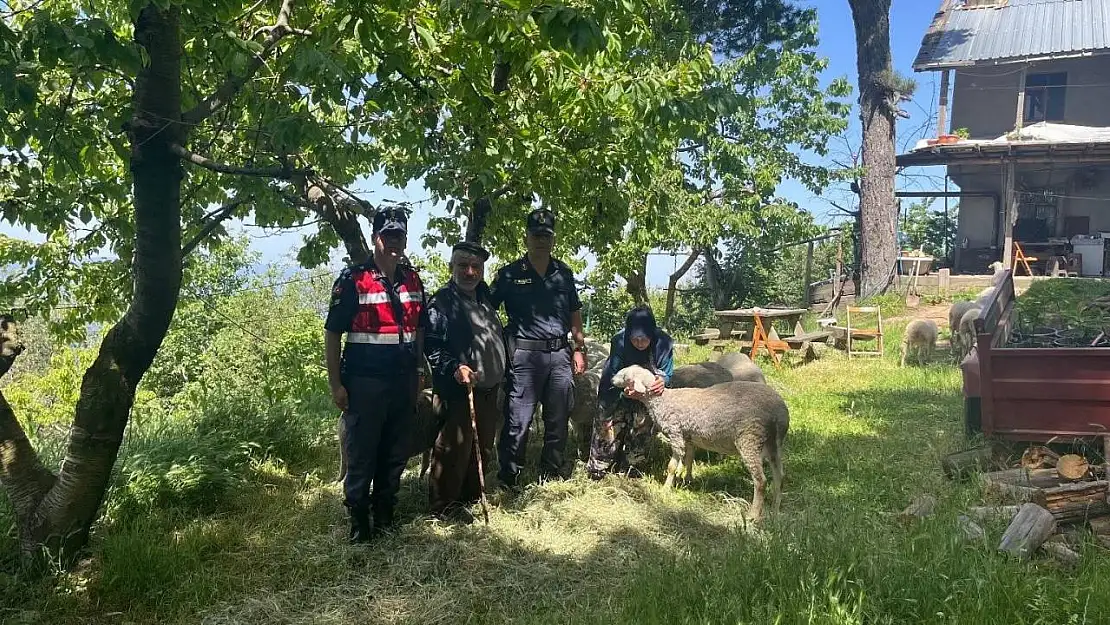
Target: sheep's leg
{"x":776,"y":477}
{"x":751,"y":454}
{"x":905,"y":348}
{"x":678,"y":451}
{"x":688,"y":461}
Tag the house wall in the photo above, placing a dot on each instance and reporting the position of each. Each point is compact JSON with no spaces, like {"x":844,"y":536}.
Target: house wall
{"x":984,"y":98}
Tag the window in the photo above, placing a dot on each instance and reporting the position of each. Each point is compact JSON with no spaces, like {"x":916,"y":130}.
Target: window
{"x":1044,"y":97}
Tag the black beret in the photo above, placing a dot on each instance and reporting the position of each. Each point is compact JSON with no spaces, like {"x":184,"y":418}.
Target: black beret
{"x":471,"y":248}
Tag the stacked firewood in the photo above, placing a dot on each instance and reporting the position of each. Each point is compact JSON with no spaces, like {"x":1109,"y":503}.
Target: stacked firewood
{"x":1044,"y":500}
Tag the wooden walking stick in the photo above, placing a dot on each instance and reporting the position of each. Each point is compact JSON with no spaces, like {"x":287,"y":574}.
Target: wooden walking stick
{"x":478,"y":454}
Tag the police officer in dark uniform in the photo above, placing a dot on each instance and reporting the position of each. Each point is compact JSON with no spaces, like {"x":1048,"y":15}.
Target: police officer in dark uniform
{"x":542,"y":306}
{"x":381,"y":307}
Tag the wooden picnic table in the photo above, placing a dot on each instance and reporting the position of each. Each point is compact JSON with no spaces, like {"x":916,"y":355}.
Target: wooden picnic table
{"x":727,"y":320}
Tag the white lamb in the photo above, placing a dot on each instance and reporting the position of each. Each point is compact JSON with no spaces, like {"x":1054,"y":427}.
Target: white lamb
{"x":999,"y":273}
{"x":967,"y":330}
{"x":985,"y":295}
{"x":955,"y":314}
{"x":748,"y":419}
{"x":921,"y":338}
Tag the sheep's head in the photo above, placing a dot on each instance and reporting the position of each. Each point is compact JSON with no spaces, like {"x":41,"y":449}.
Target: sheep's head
{"x":996,"y":266}
{"x":634,"y":378}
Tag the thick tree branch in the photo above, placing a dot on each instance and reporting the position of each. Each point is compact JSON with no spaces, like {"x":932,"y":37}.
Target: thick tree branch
{"x":284,"y":172}
{"x":234,"y":84}
{"x":219,"y":216}
{"x":22,"y":474}
{"x":365,"y":208}
{"x":341,"y":215}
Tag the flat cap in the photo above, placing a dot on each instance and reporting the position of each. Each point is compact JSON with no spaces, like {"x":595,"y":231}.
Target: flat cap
{"x":471,"y":248}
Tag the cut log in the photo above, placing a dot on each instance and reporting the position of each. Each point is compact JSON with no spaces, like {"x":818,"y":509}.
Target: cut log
{"x":1062,"y":554}
{"x":1014,"y":485}
{"x":1039,"y":456}
{"x":970,"y":529}
{"x":921,"y":507}
{"x":1032,"y":525}
{"x":1072,"y":466}
{"x":1080,"y":501}
{"x":993,"y":513}
{"x":963,"y":463}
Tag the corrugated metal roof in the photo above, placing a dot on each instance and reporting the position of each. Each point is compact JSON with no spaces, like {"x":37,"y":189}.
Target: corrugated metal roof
{"x":1014,"y":30}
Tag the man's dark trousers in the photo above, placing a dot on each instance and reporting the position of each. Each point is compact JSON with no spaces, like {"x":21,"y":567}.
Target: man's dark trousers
{"x":379,"y":420}
{"x":536,"y":376}
{"x":454,"y":470}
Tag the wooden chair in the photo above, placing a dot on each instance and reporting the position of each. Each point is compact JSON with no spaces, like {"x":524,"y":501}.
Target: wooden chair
{"x":875,"y":333}
{"x":1020,"y":257}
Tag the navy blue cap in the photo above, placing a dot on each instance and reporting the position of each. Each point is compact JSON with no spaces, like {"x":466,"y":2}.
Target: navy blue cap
{"x":541,"y":221}
{"x":390,"y":220}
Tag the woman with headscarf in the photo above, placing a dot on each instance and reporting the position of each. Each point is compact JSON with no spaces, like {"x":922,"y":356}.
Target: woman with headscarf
{"x":617,"y":444}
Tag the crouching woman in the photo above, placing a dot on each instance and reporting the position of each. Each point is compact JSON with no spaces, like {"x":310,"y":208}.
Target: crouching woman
{"x":617,"y":445}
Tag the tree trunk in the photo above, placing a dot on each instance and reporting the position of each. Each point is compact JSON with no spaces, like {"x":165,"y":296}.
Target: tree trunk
{"x":878,"y":210}
{"x":635,"y":281}
{"x":714,"y":278}
{"x":65,"y":512}
{"x":479,"y":215}
{"x":672,"y":285}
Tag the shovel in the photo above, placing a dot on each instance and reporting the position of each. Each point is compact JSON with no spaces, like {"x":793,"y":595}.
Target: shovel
{"x":913,"y":300}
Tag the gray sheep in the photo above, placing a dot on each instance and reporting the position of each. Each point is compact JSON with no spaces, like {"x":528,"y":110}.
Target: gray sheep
{"x":428,"y":421}
{"x":748,"y":419}
{"x":920,"y":337}
{"x":741,"y":367}
{"x":700,"y":375}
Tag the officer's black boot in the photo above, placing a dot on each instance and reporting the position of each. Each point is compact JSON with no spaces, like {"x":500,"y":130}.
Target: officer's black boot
{"x":384,"y":522}
{"x":360,"y":526}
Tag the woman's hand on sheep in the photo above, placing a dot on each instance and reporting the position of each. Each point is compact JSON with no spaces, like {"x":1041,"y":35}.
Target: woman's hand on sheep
{"x":657,"y":386}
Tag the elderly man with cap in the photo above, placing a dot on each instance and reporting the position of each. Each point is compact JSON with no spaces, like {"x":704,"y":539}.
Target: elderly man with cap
{"x":466,"y":350}
{"x":542,"y":306}
{"x":381,"y":306}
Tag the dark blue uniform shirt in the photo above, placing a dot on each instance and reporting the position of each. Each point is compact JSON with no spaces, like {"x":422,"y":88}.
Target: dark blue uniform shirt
{"x":368,"y":360}
{"x":538,"y":307}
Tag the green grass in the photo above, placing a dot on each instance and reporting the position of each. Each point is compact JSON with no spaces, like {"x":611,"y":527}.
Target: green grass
{"x":865,"y":438}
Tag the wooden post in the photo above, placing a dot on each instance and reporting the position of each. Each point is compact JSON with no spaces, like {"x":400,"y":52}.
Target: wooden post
{"x":809,"y":274}
{"x":942,"y":109}
{"x":1020,"y":101}
{"x":1009,"y":212}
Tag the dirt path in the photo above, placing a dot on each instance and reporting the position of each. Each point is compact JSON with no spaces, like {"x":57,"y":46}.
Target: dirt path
{"x":936,"y":312}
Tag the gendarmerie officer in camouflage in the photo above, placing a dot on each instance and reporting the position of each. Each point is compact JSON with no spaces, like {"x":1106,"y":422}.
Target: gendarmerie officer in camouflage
{"x":542,"y":306}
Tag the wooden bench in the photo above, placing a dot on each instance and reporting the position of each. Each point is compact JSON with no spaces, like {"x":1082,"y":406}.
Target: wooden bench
{"x":804,"y":343}
{"x":799,"y":341}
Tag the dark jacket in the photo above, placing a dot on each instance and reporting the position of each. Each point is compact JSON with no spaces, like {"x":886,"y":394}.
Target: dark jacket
{"x":449,"y":336}
{"x":660,"y":359}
